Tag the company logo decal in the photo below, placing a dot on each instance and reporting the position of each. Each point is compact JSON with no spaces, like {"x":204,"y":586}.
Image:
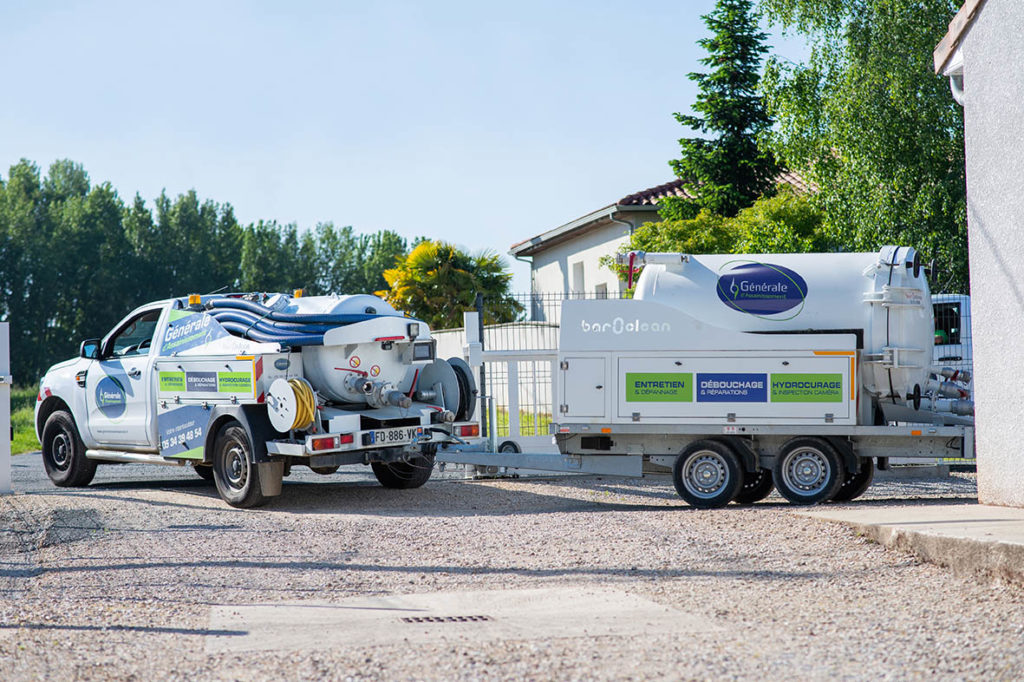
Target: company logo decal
{"x":621,"y":326}
{"x":110,"y":397}
{"x":807,"y":388}
{"x":187,"y":330}
{"x":762,"y":289}
{"x":201,"y":382}
{"x":732,"y":388}
{"x":183,"y":431}
{"x":659,"y":387}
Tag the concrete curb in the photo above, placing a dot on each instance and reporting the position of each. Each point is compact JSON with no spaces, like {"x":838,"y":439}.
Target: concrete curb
{"x":952,"y":536}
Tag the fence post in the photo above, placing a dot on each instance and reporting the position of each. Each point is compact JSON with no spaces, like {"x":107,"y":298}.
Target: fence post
{"x":5,"y":408}
{"x":479,"y":304}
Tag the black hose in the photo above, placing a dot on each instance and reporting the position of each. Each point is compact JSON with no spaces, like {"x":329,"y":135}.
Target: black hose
{"x":301,"y":318}
{"x":270,"y":327}
{"x":285,"y":339}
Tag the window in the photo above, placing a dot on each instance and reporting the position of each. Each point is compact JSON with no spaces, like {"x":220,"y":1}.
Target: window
{"x":135,"y":337}
{"x":601,"y":291}
{"x":577,"y":279}
{"x":947,"y":323}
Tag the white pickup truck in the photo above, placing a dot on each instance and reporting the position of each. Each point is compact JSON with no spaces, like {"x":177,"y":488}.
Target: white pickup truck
{"x":245,"y":386}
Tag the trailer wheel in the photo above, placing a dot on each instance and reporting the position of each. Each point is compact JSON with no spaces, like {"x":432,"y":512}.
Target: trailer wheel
{"x":64,"y":452}
{"x":707,"y":474}
{"x":757,"y":485}
{"x":855,"y":484}
{"x":204,"y":471}
{"x":237,"y":478}
{"x":808,"y":471}
{"x":405,"y":475}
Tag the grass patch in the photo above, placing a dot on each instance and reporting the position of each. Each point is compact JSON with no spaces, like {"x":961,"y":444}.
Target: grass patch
{"x":23,"y":402}
{"x":530,"y":424}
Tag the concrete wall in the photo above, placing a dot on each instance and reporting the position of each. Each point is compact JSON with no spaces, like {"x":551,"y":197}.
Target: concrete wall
{"x":994,"y":122}
{"x":553,"y":268}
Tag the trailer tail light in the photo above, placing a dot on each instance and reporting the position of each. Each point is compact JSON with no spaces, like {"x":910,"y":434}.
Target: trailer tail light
{"x":327,"y":443}
{"x":346,"y":438}
{"x":468,"y":430}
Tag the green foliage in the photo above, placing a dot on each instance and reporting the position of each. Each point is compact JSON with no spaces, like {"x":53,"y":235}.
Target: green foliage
{"x":727,"y":171}
{"x":74,"y":259}
{"x":437,"y":281}
{"x":349,"y":263}
{"x":23,"y":400}
{"x":873,"y":126}
{"x":784,"y":223}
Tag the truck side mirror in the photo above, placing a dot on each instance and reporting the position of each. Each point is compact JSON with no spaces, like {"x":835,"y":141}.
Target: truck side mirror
{"x":90,"y":349}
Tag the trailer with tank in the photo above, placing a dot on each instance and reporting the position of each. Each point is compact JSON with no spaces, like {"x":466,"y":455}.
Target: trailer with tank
{"x":739,"y":374}
{"x":243,"y":387}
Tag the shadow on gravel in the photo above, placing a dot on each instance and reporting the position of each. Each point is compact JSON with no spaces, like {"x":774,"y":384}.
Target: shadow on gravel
{"x":125,"y":628}
{"x":253,"y":564}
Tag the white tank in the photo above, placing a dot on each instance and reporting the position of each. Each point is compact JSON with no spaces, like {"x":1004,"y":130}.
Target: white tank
{"x":369,"y":362}
{"x":883,"y":297}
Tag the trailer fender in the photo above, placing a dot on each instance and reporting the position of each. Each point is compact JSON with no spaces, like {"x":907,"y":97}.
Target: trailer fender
{"x":743,"y":450}
{"x":253,"y":419}
{"x":845,"y":450}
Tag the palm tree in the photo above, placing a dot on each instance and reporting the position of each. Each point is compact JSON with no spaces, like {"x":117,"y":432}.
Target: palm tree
{"x":437,"y":281}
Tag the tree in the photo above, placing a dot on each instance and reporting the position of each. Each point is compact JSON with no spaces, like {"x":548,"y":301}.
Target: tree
{"x":270,"y":259}
{"x":869,"y":121}
{"x":787,"y":222}
{"x":437,"y":281}
{"x":728,"y":171}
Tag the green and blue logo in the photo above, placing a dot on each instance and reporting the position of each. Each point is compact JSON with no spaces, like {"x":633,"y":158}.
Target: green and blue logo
{"x":762,"y":289}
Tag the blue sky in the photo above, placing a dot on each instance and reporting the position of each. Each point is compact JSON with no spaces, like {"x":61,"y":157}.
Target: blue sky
{"x":477,"y":123}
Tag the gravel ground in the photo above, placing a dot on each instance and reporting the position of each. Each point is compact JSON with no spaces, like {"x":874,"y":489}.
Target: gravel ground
{"x":117,"y":580}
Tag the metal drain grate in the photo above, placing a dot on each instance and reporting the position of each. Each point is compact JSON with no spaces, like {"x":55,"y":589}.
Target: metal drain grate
{"x":446,"y":619}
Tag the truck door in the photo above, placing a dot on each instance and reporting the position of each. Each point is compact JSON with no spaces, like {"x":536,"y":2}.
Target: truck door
{"x":119,"y":386}
{"x":583,"y":387}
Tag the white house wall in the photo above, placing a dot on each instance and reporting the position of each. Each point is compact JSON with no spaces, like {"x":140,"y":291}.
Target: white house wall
{"x":553,"y":268}
{"x":994,"y":127}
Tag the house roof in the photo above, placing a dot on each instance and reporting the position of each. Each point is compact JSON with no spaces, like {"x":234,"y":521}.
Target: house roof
{"x":641,"y":203}
{"x":958,"y":28}
{"x":653,"y":195}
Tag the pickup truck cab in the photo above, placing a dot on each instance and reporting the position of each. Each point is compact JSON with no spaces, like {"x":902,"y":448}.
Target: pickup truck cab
{"x":244,"y":386}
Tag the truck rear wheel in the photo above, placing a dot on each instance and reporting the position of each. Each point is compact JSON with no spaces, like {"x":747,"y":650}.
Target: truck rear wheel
{"x":808,"y":471}
{"x":237,"y":478}
{"x":64,"y":452}
{"x":405,"y":475}
{"x":707,"y":474}
{"x":757,"y":485}
{"x":855,"y":484}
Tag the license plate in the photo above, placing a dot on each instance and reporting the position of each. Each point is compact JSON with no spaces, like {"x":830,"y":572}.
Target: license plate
{"x":396,"y":436}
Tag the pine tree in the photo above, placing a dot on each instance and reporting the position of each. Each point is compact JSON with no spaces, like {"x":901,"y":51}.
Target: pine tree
{"x":724,"y":168}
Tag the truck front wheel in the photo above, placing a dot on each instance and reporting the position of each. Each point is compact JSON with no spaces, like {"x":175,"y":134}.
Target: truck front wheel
{"x":707,"y":474}
{"x":237,"y":478}
{"x":404,"y":475}
{"x":64,"y":452}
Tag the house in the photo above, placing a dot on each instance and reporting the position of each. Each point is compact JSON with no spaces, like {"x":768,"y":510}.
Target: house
{"x":566,"y":260}
{"x":982,"y":54}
